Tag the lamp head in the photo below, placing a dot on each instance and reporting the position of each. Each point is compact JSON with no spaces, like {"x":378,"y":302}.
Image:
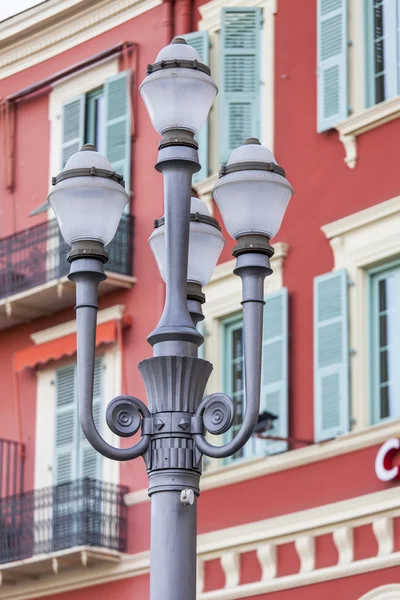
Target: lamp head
{"x":88,"y":198}
{"x":178,"y":90}
{"x":252,"y":192}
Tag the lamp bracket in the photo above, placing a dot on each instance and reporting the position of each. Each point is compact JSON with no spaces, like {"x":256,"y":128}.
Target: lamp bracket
{"x":253,"y":242}
{"x":178,"y":63}
{"x":252,"y":166}
{"x":194,"y":218}
{"x":87,"y":249}
{"x":88,"y":172}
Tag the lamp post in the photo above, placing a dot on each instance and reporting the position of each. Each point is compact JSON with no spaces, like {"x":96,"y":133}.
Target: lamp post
{"x":252,"y":194}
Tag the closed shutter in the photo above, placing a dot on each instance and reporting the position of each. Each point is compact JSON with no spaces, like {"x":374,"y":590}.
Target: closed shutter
{"x":90,"y":459}
{"x":73,"y":128}
{"x":65,"y":426}
{"x":239,"y":78}
{"x":200,"y":42}
{"x":118,"y":124}
{"x":331,"y":356}
{"x":274,"y":384}
{"x":332,"y":43}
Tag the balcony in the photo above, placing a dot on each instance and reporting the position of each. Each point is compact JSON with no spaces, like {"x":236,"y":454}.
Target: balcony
{"x":33,"y":271}
{"x":75,"y":524}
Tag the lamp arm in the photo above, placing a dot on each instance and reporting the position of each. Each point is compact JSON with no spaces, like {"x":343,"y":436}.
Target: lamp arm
{"x":125,"y":414}
{"x":252,"y":268}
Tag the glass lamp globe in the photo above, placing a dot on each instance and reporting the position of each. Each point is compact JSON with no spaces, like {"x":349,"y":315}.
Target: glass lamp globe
{"x":252,"y":199}
{"x":205,"y":244}
{"x":88,"y":207}
{"x":178,"y":90}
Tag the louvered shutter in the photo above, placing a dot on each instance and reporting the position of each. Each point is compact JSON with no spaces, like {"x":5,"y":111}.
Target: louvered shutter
{"x":200,"y":42}
{"x":274,"y":384}
{"x":90,"y":459}
{"x":332,"y":43}
{"x":239,"y":78}
{"x":331,"y":356}
{"x":118,"y":124}
{"x":65,"y":426}
{"x":73,"y":127}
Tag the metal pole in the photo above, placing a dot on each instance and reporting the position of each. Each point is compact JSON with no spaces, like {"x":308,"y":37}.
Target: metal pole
{"x":173,"y":547}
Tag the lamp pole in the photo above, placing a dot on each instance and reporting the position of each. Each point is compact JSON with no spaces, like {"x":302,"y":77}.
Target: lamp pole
{"x":252,"y":194}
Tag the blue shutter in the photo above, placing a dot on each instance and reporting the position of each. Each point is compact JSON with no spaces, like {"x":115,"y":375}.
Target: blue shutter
{"x":274,"y":383}
{"x":118,"y":124}
{"x":332,"y":43}
{"x":66,"y":442}
{"x":89,"y":458}
{"x":331,"y":356}
{"x":239,"y":103}
{"x":200,"y":42}
{"x":73,"y":127}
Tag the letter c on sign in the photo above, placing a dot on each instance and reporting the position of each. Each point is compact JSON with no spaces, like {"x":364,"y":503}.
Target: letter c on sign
{"x":383,"y":462}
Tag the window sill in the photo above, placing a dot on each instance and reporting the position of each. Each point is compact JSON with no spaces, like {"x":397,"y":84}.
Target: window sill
{"x":368,"y":119}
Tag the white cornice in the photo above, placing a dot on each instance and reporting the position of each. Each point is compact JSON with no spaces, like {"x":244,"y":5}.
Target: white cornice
{"x":362,"y":218}
{"x":363,"y":121}
{"x":262,"y":466}
{"x":112,"y":313}
{"x":54,"y":27}
{"x":386,"y":592}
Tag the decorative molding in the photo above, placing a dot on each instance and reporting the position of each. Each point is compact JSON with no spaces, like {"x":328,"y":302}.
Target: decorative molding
{"x":266,"y":555}
{"x":58,"y":25}
{"x":113,"y":313}
{"x":363,"y":121}
{"x":262,"y":466}
{"x":362,"y":218}
{"x":230,"y":563}
{"x":344,"y":542}
{"x":383,"y":530}
{"x":386,"y":592}
{"x":228,"y":544}
{"x":305,"y":548}
{"x":204,"y":190}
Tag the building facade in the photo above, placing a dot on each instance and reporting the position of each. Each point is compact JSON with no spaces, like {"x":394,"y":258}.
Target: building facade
{"x":313,"y":510}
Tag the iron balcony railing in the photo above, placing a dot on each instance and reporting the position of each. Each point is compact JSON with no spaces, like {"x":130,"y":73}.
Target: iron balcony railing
{"x":38,"y":254}
{"x":85,"y":512}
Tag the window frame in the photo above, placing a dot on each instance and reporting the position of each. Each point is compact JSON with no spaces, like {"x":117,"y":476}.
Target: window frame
{"x":90,"y":115}
{"x":374,"y":276}
{"x":370,"y":53}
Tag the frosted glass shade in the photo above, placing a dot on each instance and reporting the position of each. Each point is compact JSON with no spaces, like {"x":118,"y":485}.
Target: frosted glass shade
{"x":178,"y":97}
{"x":88,"y":207}
{"x":205,"y":246}
{"x":252,"y":201}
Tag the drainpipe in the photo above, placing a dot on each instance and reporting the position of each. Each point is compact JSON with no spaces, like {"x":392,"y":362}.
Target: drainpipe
{"x":183,"y":17}
{"x":168,"y":19}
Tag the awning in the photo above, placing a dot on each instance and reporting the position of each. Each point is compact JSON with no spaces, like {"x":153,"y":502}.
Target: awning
{"x":41,"y":354}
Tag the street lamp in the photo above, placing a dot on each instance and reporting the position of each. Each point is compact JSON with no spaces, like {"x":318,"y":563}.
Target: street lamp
{"x":252,"y":194}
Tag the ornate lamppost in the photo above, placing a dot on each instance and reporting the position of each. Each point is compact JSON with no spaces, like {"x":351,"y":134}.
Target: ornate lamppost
{"x":252,"y":194}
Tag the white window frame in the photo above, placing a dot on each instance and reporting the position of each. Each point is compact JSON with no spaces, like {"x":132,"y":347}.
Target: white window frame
{"x":223,"y":300}
{"x":362,"y":119}
{"x":360,"y":242}
{"x":211,"y":21}
{"x":46,"y":401}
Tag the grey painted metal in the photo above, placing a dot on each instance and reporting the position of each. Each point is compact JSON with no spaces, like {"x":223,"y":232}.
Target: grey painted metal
{"x":252,"y":268}
{"x":172,"y":428}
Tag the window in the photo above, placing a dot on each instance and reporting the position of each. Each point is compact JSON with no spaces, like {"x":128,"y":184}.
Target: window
{"x":74,"y":456}
{"x":385,"y":342}
{"x":100,"y":117}
{"x":383,"y":35}
{"x":274,"y":377}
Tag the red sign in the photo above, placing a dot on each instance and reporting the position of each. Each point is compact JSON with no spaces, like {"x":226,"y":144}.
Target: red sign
{"x":384,"y":468}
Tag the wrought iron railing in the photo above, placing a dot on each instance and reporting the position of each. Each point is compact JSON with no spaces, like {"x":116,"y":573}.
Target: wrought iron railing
{"x":11,"y":468}
{"x":38,"y":254}
{"x":85,"y":512}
